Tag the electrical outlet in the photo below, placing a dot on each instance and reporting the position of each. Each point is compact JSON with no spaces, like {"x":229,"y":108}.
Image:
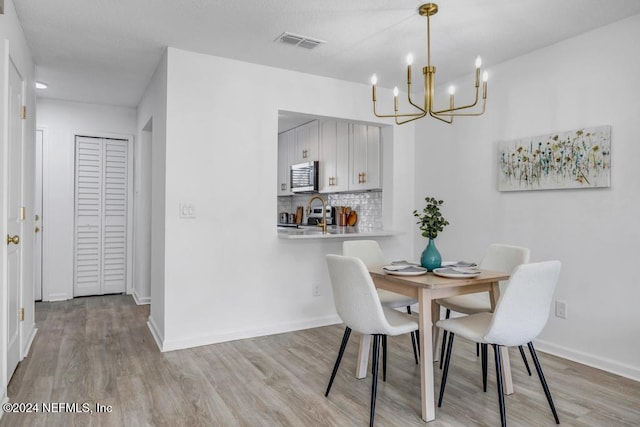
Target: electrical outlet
{"x":561,"y":309}
{"x":316,"y":289}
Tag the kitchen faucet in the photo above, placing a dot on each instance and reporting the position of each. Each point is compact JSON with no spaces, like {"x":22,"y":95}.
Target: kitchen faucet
{"x":323,"y":224}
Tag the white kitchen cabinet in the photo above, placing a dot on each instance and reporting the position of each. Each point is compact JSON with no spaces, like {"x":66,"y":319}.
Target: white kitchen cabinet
{"x":364,"y":157}
{"x":285,"y":159}
{"x":306,"y":143}
{"x":334,"y":156}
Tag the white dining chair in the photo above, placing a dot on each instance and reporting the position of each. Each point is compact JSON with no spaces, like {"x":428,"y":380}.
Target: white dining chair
{"x":498,"y":257}
{"x":520,"y":315}
{"x":370,"y":253}
{"x":358,"y":305}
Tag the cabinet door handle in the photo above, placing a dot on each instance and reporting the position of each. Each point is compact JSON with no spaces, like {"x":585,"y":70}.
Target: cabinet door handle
{"x":364,"y":177}
{"x":283,"y":187}
{"x":304,"y":154}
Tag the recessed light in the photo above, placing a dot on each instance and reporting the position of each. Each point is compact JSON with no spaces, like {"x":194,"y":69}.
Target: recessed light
{"x":41,"y":85}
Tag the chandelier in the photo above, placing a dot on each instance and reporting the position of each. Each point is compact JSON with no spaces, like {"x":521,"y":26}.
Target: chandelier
{"x":447,"y":114}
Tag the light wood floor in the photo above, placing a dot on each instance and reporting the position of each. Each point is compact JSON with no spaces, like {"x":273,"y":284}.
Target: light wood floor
{"x":99,"y":350}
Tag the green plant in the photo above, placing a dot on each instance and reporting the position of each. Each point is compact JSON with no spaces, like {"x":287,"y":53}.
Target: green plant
{"x":430,"y":219}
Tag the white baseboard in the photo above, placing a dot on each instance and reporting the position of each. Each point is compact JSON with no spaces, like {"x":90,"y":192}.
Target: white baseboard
{"x":179,"y":344}
{"x":59,"y":297}
{"x":28,"y":342}
{"x":140,"y":300}
{"x":615,"y":367}
{"x":155,"y":332}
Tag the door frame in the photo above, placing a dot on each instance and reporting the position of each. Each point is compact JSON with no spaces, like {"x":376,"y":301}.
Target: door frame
{"x":130,"y":153}
{"x":44,"y":188}
{"x":46,"y":200}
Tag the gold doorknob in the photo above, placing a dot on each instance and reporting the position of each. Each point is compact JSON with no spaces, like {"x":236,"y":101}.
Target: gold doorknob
{"x":37,"y":229}
{"x":13,"y":239}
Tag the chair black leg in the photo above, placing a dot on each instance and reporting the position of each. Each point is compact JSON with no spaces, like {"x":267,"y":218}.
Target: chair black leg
{"x":374,"y":384}
{"x":484,"y":366}
{"x":384,"y":358}
{"x":413,"y":339}
{"x":547,"y":393}
{"x":443,"y":381}
{"x":477,"y":350}
{"x":503,"y":415}
{"x":444,"y":338}
{"x":524,"y":359}
{"x":345,"y":339}
{"x":414,"y":344}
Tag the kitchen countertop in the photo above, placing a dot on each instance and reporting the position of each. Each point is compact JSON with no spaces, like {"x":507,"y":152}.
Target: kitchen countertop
{"x":333,"y":232}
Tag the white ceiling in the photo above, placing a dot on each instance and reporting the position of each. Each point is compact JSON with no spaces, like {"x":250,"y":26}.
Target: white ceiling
{"x":106,"y":51}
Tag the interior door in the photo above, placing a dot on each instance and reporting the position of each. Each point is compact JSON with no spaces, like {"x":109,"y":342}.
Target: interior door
{"x":101,"y":194}
{"x":14,"y":218}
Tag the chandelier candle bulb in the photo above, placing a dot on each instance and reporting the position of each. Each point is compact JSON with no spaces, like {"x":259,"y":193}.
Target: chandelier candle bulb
{"x":395,"y":98}
{"x":478,"y":62}
{"x":374,"y":80}
{"x":452,"y":91}
{"x":409,"y":63}
{"x":485,"y":77}
{"x":410,"y":59}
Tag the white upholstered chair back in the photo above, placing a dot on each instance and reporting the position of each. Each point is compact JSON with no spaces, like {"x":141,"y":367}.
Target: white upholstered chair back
{"x":355,"y":295}
{"x":368,"y":251}
{"x":500,"y":257}
{"x":523,"y":308}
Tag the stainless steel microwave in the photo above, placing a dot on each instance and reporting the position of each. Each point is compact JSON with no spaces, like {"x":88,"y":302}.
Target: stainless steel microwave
{"x":304,"y":177}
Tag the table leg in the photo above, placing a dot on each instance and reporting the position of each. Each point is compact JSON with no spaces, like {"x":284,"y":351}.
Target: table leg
{"x":507,"y":381}
{"x":426,"y":355}
{"x":363,"y":356}
{"x":435,"y":316}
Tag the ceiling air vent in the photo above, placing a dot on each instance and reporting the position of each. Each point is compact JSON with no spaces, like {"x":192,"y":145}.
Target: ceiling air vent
{"x":300,"y":41}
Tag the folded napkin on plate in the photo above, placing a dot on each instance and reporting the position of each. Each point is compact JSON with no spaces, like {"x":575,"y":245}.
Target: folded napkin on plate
{"x":459,"y":264}
{"x":403,"y":262}
{"x":406,"y":268}
{"x":458,"y":270}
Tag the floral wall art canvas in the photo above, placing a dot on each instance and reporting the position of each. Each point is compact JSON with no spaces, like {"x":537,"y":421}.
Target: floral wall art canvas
{"x":573,"y":159}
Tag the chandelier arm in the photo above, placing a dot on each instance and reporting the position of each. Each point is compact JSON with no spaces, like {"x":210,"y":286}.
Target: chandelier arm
{"x":417,"y":115}
{"x":396,"y":115}
{"x":410,"y":120}
{"x":432,"y":114}
{"x":422,"y":109}
{"x":477,"y":113}
{"x":450,"y":110}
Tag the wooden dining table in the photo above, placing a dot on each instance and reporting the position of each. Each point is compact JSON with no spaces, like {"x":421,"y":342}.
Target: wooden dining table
{"x":427,"y":288}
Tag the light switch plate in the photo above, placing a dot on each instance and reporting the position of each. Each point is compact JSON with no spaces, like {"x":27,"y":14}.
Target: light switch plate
{"x":187,"y":210}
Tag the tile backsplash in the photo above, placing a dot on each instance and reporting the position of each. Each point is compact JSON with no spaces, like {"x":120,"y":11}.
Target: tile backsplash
{"x":368,"y":205}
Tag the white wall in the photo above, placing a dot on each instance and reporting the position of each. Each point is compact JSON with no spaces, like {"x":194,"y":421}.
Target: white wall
{"x":13,"y":47}
{"x":590,"y":80}
{"x":227,"y":275}
{"x":63,"y":119}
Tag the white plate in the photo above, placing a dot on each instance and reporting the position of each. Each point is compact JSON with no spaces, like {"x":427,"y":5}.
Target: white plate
{"x":454,"y":273}
{"x":397,"y":270}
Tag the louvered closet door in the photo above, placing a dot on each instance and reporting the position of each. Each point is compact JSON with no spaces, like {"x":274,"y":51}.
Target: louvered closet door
{"x":101,"y":216}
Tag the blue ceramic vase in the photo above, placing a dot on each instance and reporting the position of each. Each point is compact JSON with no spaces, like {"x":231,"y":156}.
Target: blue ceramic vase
{"x":430,"y":258}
